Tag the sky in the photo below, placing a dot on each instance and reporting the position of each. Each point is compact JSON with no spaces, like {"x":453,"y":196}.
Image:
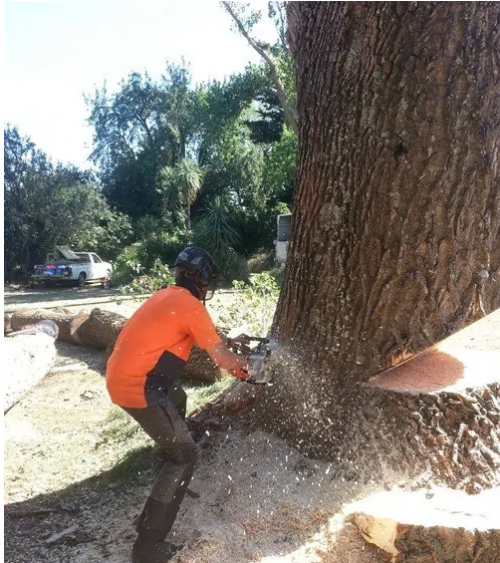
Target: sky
{"x":57,"y":51}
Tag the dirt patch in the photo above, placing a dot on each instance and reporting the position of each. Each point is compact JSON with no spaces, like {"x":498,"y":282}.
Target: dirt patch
{"x":65,"y":469}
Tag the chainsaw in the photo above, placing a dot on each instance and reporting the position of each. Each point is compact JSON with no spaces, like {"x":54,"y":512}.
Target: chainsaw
{"x":258,"y":374}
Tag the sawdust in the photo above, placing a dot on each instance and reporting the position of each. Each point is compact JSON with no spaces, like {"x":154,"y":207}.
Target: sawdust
{"x":260,"y":500}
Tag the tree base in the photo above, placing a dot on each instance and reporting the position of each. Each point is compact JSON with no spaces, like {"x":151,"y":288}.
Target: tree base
{"x":436,"y":415}
{"x":444,"y":526}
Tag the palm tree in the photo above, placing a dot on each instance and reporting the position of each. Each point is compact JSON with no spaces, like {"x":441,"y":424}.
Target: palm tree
{"x":147,"y":225}
{"x":180,"y":186}
{"x":216,"y":233}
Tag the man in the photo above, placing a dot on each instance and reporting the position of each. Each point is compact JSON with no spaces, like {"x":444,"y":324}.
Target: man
{"x":142,"y":375}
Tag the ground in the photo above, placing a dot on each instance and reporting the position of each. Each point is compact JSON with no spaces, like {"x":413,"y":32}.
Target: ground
{"x":75,"y":462}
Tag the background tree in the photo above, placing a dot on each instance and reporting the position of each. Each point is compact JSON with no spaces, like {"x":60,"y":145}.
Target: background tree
{"x":216,"y":233}
{"x":395,"y":232}
{"x":225,"y":139}
{"x":47,"y":205}
{"x":245,"y":19}
{"x":180,"y":185}
{"x":140,"y":129}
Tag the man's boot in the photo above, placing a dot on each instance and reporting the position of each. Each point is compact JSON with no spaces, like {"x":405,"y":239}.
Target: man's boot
{"x":147,"y":550}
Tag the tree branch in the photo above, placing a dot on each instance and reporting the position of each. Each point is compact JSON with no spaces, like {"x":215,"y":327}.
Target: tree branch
{"x":290,"y":114}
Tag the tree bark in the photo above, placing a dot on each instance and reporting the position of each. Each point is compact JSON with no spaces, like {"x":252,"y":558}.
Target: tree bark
{"x":395,"y":233}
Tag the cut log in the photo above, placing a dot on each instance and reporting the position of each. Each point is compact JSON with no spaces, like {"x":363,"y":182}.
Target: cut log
{"x":200,"y":366}
{"x":27,"y":359}
{"x":97,"y":329}
{"x":100,"y":329}
{"x":441,"y":525}
{"x":61,"y":316}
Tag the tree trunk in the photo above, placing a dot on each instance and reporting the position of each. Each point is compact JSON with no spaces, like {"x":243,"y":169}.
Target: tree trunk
{"x":188,"y":219}
{"x":395,"y":233}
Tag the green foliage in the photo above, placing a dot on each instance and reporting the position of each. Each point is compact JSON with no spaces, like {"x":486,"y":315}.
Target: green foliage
{"x":162,"y":246}
{"x":216,"y":234}
{"x":138,"y":130}
{"x":260,"y":262}
{"x":278,"y":274}
{"x":108,"y":232}
{"x":158,"y":277}
{"x":268,"y":119}
{"x":253,"y":307}
{"x":279,"y":168}
{"x":47,"y":205}
{"x":167,"y":152}
{"x":126,"y":267}
{"x":148,"y":258}
{"x":179,"y":186}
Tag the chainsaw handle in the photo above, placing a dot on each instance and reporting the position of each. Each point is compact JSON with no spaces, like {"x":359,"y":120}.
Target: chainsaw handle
{"x":241,"y":374}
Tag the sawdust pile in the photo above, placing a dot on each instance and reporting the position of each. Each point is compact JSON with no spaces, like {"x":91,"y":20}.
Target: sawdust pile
{"x":260,"y":501}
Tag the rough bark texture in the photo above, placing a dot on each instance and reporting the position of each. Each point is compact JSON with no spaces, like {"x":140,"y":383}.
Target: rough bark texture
{"x":395,"y":232}
{"x":396,"y":226}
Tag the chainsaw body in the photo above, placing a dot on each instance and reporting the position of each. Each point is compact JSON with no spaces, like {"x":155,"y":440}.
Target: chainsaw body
{"x":259,"y":373}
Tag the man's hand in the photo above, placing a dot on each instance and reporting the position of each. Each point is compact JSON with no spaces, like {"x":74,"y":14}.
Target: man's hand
{"x":226,"y":359}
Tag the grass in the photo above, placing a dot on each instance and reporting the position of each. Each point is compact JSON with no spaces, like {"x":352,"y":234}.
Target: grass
{"x":200,"y":393}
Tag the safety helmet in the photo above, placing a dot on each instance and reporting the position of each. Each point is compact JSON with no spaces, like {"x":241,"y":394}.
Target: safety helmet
{"x":198,"y":266}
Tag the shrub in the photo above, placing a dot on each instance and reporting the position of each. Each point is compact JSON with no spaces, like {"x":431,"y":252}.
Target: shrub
{"x":126,"y":266}
{"x":260,"y":262}
{"x":278,"y":274}
{"x":161,"y":246}
{"x":253,"y":306}
{"x":215,"y":233}
{"x":158,"y":277}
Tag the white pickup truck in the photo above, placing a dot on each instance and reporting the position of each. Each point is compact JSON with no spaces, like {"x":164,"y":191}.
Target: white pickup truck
{"x":73,"y":266}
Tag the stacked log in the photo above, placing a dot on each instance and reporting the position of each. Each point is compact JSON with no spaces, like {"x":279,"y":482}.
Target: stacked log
{"x":100,"y":329}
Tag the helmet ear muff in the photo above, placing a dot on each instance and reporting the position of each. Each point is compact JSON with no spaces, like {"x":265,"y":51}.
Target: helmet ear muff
{"x":205,"y":276}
